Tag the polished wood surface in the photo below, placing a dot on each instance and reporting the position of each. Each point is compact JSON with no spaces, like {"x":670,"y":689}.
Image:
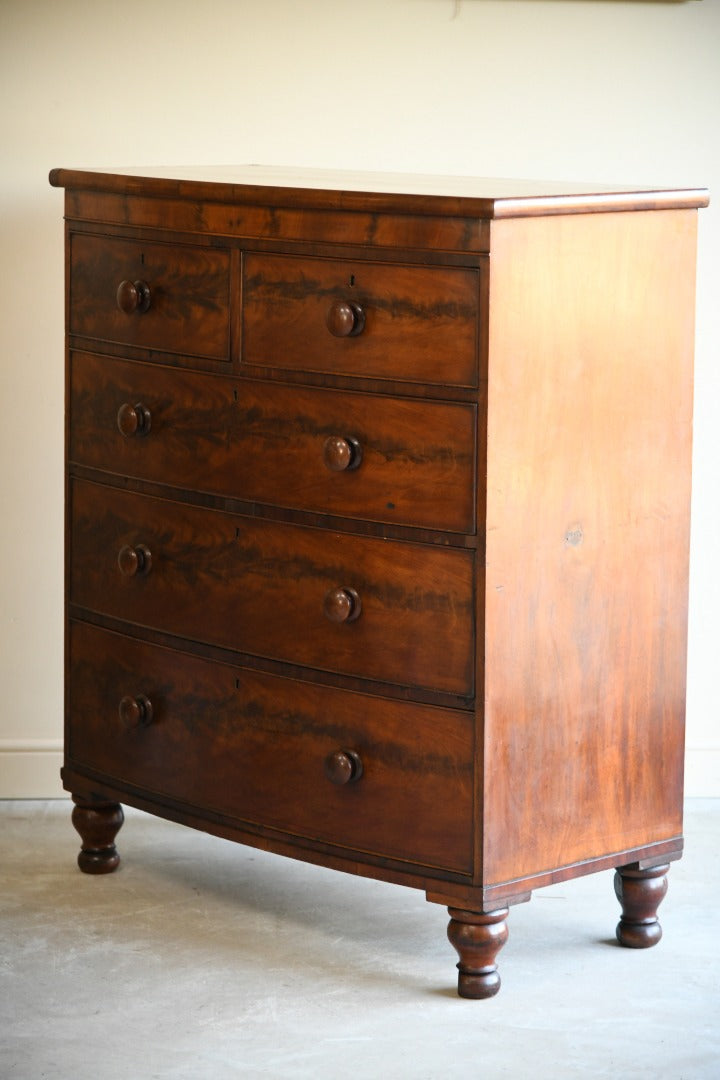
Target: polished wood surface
{"x":417,"y":324}
{"x":179,"y":300}
{"x":377,"y":510}
{"x":587,"y":536}
{"x":382,"y":192}
{"x":274,"y":221}
{"x":233,"y":438}
{"x":640,"y":893}
{"x":261,"y":587}
{"x":97,"y":823}
{"x":254,"y":747}
{"x":478,"y":938}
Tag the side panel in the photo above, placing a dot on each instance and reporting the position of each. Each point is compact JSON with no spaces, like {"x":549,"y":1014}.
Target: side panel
{"x":589,"y":441}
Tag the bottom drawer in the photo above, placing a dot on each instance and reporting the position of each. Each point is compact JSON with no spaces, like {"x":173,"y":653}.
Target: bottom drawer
{"x":255,"y":747}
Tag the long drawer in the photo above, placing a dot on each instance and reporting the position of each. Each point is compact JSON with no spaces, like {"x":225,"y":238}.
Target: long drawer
{"x":265,"y":750}
{"x":398,"y":612}
{"x":361,"y":318}
{"x":400,"y":461}
{"x":152,"y":295}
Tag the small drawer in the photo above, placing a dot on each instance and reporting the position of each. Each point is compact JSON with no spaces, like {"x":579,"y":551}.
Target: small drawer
{"x":398,"y":461}
{"x":382,"y":778}
{"x":155,"y":296}
{"x":409,"y":323}
{"x":378,"y":609}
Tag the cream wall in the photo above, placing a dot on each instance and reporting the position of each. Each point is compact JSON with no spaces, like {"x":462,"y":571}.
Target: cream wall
{"x":571,"y":89}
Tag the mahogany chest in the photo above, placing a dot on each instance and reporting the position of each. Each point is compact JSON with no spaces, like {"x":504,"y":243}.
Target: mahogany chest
{"x":377,"y":527}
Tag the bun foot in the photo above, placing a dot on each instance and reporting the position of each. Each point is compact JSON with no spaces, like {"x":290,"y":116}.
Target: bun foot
{"x":640,"y":893}
{"x":98,"y":824}
{"x":477,"y":938}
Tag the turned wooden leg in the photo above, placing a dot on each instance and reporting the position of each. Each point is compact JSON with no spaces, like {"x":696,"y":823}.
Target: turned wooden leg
{"x":640,"y":893}
{"x":98,"y":824}
{"x":478,"y":938}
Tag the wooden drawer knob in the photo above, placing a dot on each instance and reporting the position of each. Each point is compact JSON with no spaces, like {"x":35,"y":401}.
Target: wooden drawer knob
{"x":133,"y":296}
{"x":133,"y":419}
{"x":342,"y":605}
{"x":134,"y":561}
{"x":341,"y":454}
{"x":343,"y":767}
{"x":345,"y":319}
{"x":135,"y":710}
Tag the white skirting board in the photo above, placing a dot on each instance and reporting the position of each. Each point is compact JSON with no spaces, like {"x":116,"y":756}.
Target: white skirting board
{"x":30,"y":769}
{"x":702,"y":772}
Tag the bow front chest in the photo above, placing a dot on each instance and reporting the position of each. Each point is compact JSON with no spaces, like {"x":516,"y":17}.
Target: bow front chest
{"x":377,"y":527}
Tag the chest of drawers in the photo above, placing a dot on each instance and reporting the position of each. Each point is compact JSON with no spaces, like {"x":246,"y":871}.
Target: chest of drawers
{"x":377,"y":527}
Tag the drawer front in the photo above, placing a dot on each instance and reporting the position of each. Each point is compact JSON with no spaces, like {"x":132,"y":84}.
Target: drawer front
{"x":402,"y":461}
{"x":253,"y":747}
{"x":184,"y":310}
{"x":387,"y":322}
{"x":379,"y":609}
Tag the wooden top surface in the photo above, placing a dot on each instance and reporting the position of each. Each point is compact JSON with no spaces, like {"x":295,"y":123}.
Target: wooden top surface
{"x":325,"y":189}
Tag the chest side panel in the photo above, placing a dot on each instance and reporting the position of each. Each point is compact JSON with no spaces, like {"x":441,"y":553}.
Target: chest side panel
{"x":589,"y":440}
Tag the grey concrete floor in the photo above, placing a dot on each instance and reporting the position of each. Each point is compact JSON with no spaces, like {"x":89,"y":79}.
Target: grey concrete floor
{"x":204,"y":960}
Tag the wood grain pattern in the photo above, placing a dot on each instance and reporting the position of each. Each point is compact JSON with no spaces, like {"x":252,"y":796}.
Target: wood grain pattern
{"x":189,"y":287}
{"x":260,"y":587}
{"x":587,"y":537}
{"x":266,"y":443}
{"x":377,"y":529}
{"x":384,"y":193}
{"x":253,"y":747}
{"x":433,"y":238}
{"x":421,"y":324}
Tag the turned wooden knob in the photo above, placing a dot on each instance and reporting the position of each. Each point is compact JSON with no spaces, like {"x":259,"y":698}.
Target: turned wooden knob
{"x":345,"y":318}
{"x":134,"y":561}
{"x":343,"y":767}
{"x":342,"y":605}
{"x":135,"y":710}
{"x":133,"y":419}
{"x":341,"y":454}
{"x":133,"y":296}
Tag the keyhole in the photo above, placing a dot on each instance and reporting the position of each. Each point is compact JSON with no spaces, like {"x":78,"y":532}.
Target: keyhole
{"x":352,"y":280}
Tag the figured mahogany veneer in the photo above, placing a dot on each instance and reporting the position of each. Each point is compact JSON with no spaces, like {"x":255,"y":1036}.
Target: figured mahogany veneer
{"x":388,"y":322}
{"x":265,"y":586}
{"x":162,"y":296}
{"x":377,"y":527}
{"x":286,"y":448}
{"x":254,"y":747}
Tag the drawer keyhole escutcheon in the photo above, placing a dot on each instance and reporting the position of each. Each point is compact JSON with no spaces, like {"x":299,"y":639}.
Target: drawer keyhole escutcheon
{"x":134,"y":561}
{"x":133,"y":419}
{"x":135,"y":710}
{"x":345,"y":318}
{"x":341,"y":454}
{"x":133,"y":296}
{"x":342,"y":605}
{"x":343,"y":767}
